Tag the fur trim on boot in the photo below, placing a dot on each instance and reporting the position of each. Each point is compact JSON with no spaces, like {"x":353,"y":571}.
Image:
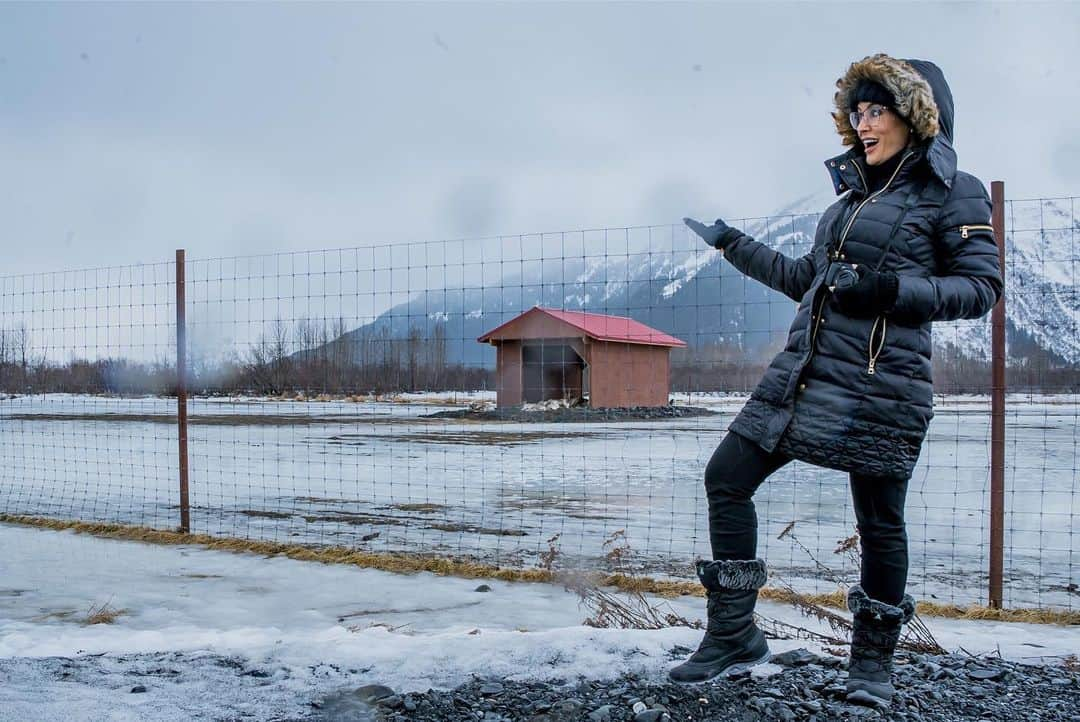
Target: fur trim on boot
{"x":859,"y":603}
{"x":741,"y":574}
{"x":875,"y":633}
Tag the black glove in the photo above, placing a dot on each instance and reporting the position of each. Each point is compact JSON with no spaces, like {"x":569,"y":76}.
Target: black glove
{"x":873,"y":294}
{"x":718,"y":235}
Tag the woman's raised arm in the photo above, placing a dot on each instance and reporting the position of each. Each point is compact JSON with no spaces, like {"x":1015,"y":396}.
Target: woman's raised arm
{"x":791,"y":277}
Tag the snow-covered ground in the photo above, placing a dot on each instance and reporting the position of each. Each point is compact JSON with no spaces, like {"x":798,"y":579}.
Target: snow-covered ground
{"x":376,"y":475}
{"x":297,"y":631}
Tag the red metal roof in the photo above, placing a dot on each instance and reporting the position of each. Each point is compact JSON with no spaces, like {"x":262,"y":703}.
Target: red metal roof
{"x":602,"y":327}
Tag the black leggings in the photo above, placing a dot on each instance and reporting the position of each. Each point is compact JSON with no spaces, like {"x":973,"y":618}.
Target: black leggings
{"x":739,"y":466}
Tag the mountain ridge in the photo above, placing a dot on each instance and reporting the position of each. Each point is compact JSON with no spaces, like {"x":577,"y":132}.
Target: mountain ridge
{"x":689,"y":292}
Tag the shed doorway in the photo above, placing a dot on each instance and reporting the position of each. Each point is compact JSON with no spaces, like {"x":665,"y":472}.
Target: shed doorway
{"x":551,"y":371}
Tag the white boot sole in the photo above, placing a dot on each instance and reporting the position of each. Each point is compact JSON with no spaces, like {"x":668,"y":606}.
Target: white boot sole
{"x":867,"y":699}
{"x":730,"y":671}
{"x":743,"y":666}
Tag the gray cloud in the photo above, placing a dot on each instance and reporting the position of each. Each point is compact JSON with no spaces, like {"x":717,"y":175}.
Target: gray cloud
{"x":1065,"y":160}
{"x":258,"y":128}
{"x":474,"y":207}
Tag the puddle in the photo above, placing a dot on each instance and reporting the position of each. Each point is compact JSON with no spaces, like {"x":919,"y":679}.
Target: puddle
{"x":265,"y":514}
{"x":457,"y":437}
{"x":344,"y":517}
{"x":423,"y":507}
{"x":452,"y":527}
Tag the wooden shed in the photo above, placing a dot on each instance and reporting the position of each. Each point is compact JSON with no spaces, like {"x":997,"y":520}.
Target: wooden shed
{"x":613,"y":361}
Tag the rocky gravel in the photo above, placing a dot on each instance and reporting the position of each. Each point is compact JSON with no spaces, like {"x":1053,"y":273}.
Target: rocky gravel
{"x":798,"y":686}
{"x":806,"y":687}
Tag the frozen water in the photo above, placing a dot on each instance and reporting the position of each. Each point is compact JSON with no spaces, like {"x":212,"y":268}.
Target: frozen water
{"x":380,"y":476}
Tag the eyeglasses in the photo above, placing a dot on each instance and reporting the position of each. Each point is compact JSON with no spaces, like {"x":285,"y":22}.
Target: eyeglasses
{"x":872,"y":114}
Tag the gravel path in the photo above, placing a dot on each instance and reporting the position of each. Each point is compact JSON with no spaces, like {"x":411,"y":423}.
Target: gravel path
{"x":798,"y":686}
{"x":808,"y":687}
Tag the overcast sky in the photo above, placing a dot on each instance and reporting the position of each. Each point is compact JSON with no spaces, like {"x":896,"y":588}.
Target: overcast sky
{"x":127,"y":131}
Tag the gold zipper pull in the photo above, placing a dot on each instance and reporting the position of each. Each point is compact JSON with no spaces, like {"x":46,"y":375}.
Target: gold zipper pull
{"x":982,"y":227}
{"x":870,"y":345}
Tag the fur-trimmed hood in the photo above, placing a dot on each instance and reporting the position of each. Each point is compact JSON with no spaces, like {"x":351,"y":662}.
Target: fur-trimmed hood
{"x":922,"y":96}
{"x":916,"y":98}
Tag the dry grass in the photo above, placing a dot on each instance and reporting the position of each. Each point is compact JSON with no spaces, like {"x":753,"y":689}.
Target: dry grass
{"x":404,"y":563}
{"x":103,"y":614}
{"x":916,"y":638}
{"x":625,"y":610}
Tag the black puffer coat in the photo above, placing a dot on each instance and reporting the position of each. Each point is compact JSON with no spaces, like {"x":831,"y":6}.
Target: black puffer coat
{"x":857,"y":394}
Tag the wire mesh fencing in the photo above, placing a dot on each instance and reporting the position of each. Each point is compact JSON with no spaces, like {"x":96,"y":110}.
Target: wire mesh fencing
{"x":79,"y":353}
{"x":494,"y":399}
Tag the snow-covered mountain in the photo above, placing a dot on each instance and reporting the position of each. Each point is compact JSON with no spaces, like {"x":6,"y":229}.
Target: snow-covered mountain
{"x":1042,"y":286}
{"x":682,"y":287}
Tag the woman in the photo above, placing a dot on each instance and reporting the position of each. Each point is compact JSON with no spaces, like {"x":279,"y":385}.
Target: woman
{"x":907,"y":244}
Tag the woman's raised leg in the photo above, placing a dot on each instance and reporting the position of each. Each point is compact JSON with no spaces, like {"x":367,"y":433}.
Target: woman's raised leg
{"x":735,"y":471}
{"x":732,"y":641}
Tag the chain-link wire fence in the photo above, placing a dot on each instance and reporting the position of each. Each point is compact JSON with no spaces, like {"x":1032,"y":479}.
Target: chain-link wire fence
{"x":494,"y":398}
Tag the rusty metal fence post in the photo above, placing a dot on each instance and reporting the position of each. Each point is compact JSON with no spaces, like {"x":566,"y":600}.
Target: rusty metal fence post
{"x":181,"y":393}
{"x":997,"y":409}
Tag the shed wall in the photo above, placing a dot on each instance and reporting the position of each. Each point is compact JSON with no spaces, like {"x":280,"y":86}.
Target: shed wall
{"x":508,"y":374}
{"x":624,"y":374}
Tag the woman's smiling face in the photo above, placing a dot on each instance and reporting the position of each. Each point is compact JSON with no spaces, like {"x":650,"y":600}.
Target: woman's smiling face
{"x":882,"y":137}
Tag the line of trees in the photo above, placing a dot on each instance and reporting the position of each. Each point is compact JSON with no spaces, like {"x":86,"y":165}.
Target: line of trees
{"x":312,"y":357}
{"x":1029,"y":369}
{"x":25,"y":368}
{"x":305,"y":356}
{"x":716,"y":367}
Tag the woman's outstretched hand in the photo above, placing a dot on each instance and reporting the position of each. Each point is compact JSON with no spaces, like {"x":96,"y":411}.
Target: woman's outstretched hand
{"x":873,"y":294}
{"x":718,"y":235}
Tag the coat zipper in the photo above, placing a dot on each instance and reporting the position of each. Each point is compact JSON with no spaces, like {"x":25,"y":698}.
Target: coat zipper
{"x":872,"y":196}
{"x":981,"y":227}
{"x":817,"y":321}
{"x":870,"y":347}
{"x":843,"y":237}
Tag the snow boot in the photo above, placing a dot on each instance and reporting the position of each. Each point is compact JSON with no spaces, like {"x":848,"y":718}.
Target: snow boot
{"x":875,"y":633}
{"x":732,"y":641}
